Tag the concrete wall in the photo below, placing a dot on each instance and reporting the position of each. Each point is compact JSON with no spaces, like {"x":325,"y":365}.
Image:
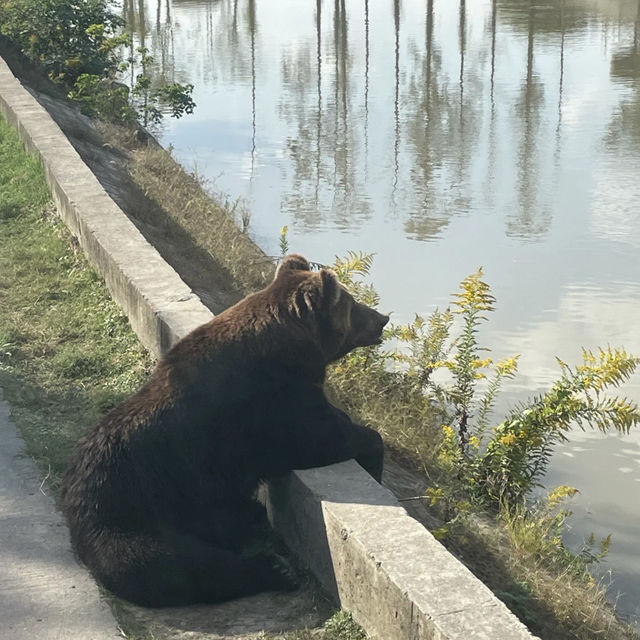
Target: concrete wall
{"x":398,"y":581}
{"x":160,"y":306}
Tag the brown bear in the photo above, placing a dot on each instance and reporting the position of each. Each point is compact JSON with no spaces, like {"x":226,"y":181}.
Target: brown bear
{"x":160,"y":495}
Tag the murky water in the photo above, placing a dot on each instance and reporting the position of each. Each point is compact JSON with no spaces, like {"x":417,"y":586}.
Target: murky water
{"x":442,"y":135}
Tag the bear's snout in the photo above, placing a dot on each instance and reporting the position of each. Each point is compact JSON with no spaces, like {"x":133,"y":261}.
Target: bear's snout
{"x":382,"y":321}
{"x":367,"y":326}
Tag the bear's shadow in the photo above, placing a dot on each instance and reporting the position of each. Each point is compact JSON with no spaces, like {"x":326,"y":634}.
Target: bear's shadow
{"x":272,"y":612}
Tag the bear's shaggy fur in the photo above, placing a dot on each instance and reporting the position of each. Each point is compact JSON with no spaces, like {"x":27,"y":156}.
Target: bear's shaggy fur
{"x":160,"y":494}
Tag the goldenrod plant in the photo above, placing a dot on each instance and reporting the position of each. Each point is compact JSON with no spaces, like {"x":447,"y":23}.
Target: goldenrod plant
{"x":516,"y":457}
{"x":431,"y":390}
{"x":493,"y":463}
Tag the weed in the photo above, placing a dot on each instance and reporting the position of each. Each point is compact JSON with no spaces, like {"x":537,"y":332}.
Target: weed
{"x":284,"y":241}
{"x":491,"y":464}
{"x":342,"y":626}
{"x":474,"y":463}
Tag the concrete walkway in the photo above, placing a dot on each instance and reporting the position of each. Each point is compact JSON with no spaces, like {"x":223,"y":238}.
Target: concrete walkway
{"x":44,"y":593}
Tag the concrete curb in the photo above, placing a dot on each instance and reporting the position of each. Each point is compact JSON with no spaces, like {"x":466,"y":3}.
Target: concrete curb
{"x":44,"y":593}
{"x":382,"y":565}
{"x":398,"y":581}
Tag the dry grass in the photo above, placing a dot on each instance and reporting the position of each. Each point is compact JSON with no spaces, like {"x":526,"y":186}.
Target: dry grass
{"x":212,"y":225}
{"x":220,"y":228}
{"x":556,"y":602}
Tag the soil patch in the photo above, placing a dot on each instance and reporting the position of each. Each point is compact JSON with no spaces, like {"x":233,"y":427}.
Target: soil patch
{"x":111,"y":165}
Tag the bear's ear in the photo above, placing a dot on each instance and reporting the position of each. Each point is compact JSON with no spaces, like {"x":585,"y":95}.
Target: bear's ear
{"x":331,"y":288}
{"x":293,"y":261}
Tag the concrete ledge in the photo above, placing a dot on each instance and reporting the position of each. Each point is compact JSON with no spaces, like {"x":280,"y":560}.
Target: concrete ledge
{"x":399,"y":582}
{"x":160,"y":306}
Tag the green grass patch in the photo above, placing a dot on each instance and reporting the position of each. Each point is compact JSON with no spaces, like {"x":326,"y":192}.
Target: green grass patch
{"x":67,"y":352}
{"x":22,"y":185}
{"x":341,"y":626}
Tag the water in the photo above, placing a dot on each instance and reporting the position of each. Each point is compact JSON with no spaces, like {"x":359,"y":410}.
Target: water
{"x":442,"y":135}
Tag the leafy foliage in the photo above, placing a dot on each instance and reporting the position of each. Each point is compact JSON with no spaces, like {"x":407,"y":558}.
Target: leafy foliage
{"x":149,"y":99}
{"x":474,"y":299}
{"x":284,"y":242}
{"x":517,"y":455}
{"x":80,"y":46}
{"x":67,"y":39}
{"x":103,"y":98}
{"x":342,"y":626}
{"x":431,"y":389}
{"x":348,"y":270}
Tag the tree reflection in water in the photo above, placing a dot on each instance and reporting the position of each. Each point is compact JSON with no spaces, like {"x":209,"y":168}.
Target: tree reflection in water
{"x":438,"y":127}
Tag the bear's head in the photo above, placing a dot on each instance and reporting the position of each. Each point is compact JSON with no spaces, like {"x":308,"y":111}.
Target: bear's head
{"x":317,"y":299}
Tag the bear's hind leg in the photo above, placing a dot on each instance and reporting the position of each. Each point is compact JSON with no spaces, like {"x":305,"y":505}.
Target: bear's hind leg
{"x":189,"y":571}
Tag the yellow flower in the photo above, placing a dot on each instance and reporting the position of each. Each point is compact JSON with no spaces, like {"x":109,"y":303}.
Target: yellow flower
{"x":477,"y":363}
{"x":558,"y":494}
{"x":441,"y":533}
{"x":507,"y":367}
{"x":434,"y":495}
{"x":507,"y":439}
{"x":448,"y":432}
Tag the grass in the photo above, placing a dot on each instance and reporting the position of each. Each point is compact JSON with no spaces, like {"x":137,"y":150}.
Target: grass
{"x":341,"y":626}
{"x":67,"y":353}
{"x":213,"y":226}
{"x":216,"y":224}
